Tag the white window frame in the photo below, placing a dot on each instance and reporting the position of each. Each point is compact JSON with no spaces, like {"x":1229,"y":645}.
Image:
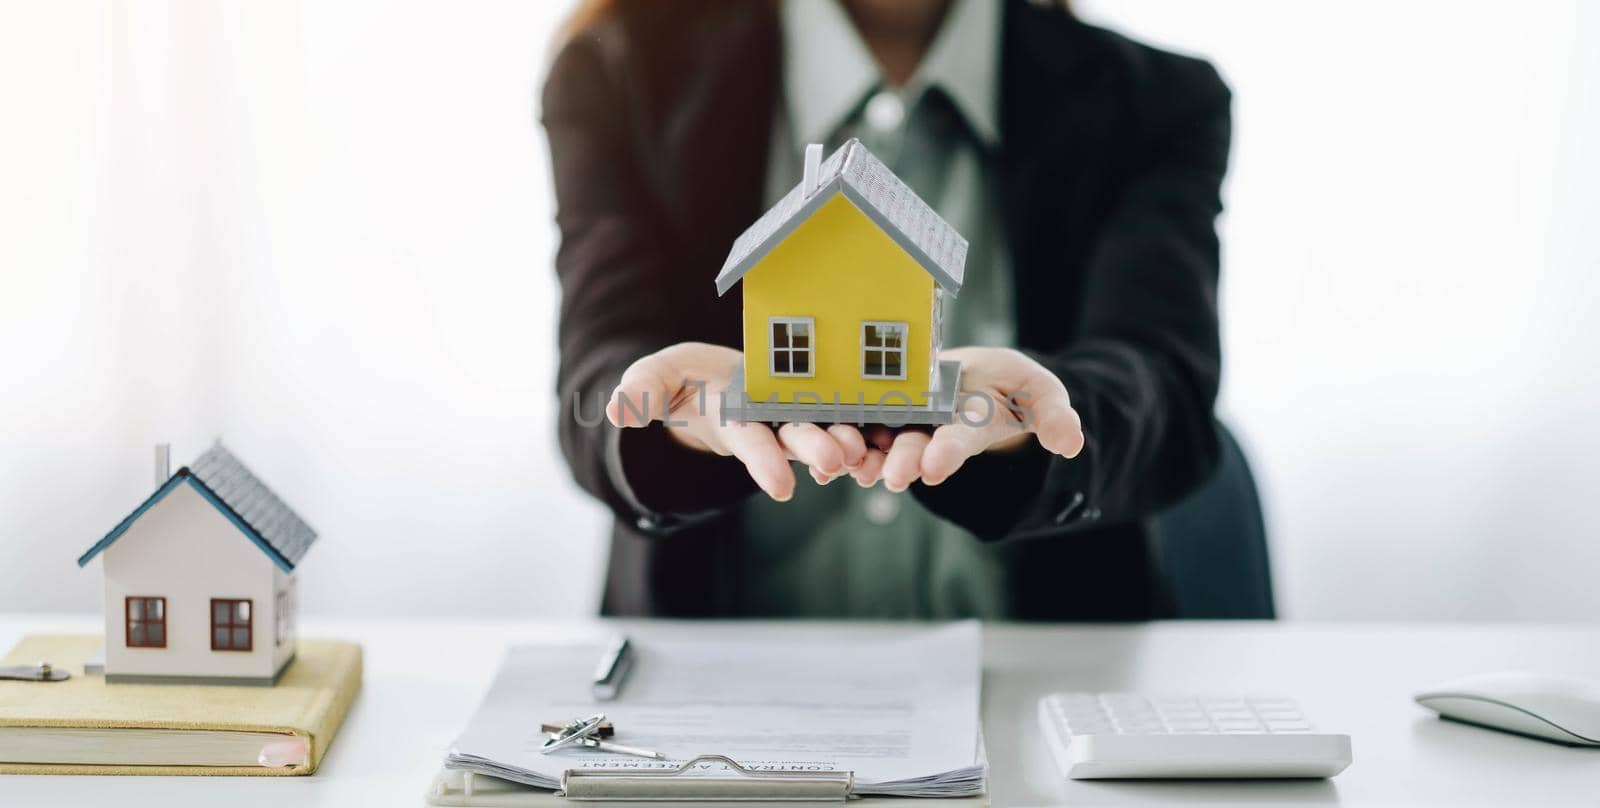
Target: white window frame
{"x":810,"y":350}
{"x":903,"y":350}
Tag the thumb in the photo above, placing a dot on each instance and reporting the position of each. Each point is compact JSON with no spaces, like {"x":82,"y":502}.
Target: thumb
{"x":643,"y":393}
{"x":1057,"y":425}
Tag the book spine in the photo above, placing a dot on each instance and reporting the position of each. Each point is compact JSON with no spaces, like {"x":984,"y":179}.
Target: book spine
{"x":331,"y":714}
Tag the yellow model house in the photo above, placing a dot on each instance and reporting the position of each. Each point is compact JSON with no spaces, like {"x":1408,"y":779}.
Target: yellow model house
{"x":843,"y":283}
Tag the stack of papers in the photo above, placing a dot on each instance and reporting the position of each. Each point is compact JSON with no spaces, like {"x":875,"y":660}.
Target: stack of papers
{"x":899,"y":710}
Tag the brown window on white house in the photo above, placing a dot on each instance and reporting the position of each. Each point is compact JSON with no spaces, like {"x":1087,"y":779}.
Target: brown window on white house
{"x":230,"y":625}
{"x":146,"y":621}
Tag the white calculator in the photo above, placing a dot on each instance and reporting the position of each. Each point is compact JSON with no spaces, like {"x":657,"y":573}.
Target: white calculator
{"x":1128,"y":735}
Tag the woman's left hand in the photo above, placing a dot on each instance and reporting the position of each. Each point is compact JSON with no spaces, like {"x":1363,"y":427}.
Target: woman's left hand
{"x":1005,"y":397}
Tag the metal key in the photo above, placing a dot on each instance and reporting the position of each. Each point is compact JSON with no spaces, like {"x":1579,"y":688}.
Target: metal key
{"x":584,"y":731}
{"x":42,"y":672}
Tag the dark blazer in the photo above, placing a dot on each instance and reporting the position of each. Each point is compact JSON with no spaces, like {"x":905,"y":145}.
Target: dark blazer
{"x":1112,"y":157}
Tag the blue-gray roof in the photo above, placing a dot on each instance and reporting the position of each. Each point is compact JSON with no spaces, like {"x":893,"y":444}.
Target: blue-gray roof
{"x":853,"y":171}
{"x":239,"y":495}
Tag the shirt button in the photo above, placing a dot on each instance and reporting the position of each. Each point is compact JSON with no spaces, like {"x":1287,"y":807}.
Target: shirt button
{"x":882,"y":507}
{"x":885,"y":111}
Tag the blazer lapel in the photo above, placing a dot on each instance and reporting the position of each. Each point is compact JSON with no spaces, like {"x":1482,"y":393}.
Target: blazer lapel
{"x":1057,"y":115}
{"x":718,"y":131}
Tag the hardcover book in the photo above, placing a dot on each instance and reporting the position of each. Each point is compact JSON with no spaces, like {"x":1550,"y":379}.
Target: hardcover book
{"x":86,"y":726}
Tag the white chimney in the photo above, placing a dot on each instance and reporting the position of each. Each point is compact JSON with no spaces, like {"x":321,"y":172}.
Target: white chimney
{"x":163,"y":463}
{"x":813,"y":167}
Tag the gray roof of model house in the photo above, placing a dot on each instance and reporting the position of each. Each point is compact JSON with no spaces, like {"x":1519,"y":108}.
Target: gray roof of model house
{"x":877,"y":192}
{"x":240,"y":496}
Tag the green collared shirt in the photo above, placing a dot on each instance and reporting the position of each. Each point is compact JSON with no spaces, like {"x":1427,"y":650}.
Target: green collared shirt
{"x":840,"y":550}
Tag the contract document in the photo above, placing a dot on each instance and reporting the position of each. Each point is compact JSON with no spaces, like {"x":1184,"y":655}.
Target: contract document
{"x":898,"y":709}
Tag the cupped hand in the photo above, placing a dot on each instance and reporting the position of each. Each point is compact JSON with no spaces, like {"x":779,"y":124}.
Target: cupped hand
{"x":681,"y":385}
{"x":1006,"y":399}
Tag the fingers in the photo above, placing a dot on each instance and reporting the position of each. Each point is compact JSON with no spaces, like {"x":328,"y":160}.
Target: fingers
{"x":813,"y":447}
{"x":851,"y":442}
{"x":981,"y":424}
{"x":904,"y":463}
{"x":880,"y":437}
{"x":1050,"y":418}
{"x":871,"y":468}
{"x":758,"y":449}
{"x":853,"y":449}
{"x":1057,"y":424}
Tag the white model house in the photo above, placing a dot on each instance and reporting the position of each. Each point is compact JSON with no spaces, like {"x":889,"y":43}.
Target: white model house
{"x":200,"y":578}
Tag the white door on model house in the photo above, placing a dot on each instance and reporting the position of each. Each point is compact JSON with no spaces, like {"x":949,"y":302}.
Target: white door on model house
{"x":199,"y":579}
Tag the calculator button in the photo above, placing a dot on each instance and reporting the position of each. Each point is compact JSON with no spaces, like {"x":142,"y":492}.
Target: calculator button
{"x":1289,"y":726}
{"x":1139,"y":720}
{"x":1250,"y":725}
{"x":1232,"y":718}
{"x":1146,"y":724}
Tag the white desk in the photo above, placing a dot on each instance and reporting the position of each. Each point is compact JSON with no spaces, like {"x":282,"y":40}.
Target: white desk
{"x":424,"y":677}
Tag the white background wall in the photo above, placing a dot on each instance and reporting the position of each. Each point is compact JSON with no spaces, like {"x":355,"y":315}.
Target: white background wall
{"x":322,"y":230}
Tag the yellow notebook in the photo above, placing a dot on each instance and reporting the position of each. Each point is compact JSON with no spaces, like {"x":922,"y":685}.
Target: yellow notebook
{"x":84,"y":726}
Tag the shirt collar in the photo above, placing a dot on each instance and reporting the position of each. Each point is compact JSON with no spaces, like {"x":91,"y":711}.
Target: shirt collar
{"x":828,"y":69}
{"x":964,"y":62}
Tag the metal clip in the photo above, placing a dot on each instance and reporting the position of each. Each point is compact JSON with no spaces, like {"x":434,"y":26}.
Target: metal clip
{"x":42,"y":672}
{"x":735,"y":783}
{"x":587,"y":732}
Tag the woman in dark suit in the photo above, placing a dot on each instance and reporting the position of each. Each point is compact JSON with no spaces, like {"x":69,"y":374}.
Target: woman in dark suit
{"x":1085,"y":170}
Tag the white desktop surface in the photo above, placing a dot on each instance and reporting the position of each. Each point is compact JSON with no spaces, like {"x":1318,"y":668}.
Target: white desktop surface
{"x":423,"y":678}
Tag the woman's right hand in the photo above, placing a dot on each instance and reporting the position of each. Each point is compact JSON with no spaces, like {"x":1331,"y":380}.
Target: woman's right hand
{"x":690,"y":377}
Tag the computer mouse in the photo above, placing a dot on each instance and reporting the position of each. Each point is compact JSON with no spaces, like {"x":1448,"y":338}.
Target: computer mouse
{"x":1555,"y":708}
